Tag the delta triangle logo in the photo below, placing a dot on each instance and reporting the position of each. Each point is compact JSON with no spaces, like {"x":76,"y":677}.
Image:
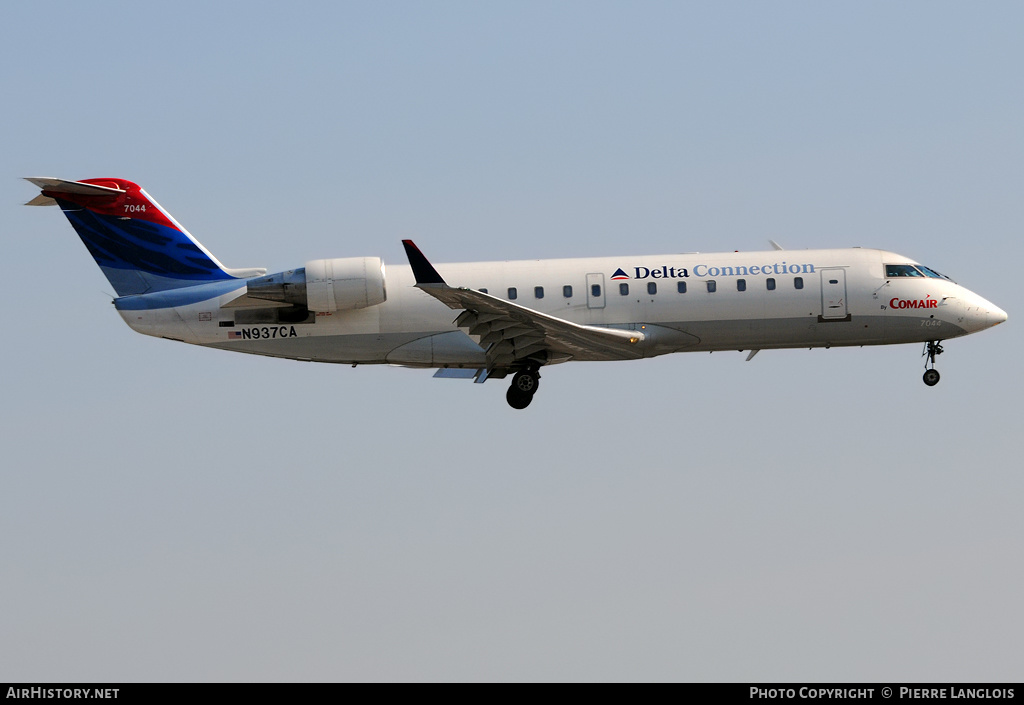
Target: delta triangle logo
{"x":619,"y":274}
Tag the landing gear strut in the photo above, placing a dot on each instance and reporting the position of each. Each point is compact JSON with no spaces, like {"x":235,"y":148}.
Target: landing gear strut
{"x":524,"y":386}
{"x":931,"y":349}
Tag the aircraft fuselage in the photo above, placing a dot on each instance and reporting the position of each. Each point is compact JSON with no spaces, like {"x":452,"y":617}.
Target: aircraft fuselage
{"x":691,"y":302}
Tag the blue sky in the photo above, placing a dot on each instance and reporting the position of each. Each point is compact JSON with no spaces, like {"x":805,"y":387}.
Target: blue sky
{"x":183,"y":514}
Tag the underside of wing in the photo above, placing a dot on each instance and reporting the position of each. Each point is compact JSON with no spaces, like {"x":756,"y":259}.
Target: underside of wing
{"x":513,"y":335}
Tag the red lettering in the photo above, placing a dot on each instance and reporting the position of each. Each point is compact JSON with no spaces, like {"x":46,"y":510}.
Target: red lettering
{"x":916,"y":303}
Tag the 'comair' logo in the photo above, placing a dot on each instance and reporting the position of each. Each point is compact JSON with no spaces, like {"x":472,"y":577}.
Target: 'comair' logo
{"x":928,"y":302}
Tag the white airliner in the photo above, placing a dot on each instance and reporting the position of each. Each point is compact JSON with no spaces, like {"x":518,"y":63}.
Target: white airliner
{"x":485,"y":320}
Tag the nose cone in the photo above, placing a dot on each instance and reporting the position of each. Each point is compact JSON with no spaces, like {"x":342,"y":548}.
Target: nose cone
{"x":982,"y":314}
{"x":996,"y":316}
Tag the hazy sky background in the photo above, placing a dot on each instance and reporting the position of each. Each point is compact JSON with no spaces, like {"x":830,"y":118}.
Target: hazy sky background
{"x":169,"y":512}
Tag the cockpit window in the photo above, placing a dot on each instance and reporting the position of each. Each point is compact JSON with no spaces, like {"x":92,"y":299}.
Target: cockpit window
{"x":902,"y":270}
{"x":910,"y":270}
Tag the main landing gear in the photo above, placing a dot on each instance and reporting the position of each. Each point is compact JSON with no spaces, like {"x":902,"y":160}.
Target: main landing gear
{"x":931,"y":349}
{"x":524,"y":386}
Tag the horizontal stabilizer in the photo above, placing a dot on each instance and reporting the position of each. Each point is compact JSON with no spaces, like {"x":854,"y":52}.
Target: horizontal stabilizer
{"x":71,"y":188}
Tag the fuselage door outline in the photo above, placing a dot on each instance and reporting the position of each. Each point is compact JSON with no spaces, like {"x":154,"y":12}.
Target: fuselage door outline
{"x":833,"y":293}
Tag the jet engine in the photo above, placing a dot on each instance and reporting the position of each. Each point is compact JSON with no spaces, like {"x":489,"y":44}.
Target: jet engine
{"x":325,"y":285}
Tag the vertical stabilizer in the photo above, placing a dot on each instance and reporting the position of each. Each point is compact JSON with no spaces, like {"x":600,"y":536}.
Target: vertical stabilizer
{"x":137,"y":244}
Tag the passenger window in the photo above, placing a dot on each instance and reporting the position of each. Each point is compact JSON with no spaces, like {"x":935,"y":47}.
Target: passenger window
{"x":538,"y":292}
{"x":512,"y":293}
{"x":798,"y":283}
{"x":567,"y":292}
{"x":681,"y":287}
{"x":652,"y":288}
{"x":595,"y":290}
{"x":624,"y":289}
{"x":770,"y":283}
{"x":741,"y":285}
{"x":712,"y":286}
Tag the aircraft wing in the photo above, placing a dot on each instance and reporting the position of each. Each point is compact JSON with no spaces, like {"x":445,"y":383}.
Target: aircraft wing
{"x":511,"y":333}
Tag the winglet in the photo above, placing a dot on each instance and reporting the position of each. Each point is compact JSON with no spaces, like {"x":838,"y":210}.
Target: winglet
{"x":422,"y":269}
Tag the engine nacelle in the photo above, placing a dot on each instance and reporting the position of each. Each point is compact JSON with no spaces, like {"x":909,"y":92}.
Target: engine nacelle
{"x":325,"y":285}
{"x":339,"y":284}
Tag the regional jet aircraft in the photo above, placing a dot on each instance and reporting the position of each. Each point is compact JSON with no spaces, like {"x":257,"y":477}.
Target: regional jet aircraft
{"x":489,"y":320}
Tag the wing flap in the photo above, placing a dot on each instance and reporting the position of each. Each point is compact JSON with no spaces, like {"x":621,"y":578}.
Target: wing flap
{"x":511,"y":333}
{"x":559,"y":333}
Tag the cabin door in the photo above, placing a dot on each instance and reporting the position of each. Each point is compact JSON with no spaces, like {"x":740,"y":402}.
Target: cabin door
{"x":833,"y":294}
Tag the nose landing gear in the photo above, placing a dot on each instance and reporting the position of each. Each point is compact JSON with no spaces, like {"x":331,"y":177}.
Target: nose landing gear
{"x":931,"y":349}
{"x":524,"y":386}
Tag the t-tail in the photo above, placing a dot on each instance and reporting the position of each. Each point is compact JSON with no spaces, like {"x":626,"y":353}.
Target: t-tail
{"x":138,"y":245}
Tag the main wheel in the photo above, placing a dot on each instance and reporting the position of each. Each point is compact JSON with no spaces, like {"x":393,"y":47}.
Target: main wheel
{"x":526,"y":382}
{"x":516,"y":399}
{"x":931,"y":377}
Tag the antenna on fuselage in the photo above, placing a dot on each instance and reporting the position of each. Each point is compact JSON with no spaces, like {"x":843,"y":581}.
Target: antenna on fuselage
{"x":775,"y":245}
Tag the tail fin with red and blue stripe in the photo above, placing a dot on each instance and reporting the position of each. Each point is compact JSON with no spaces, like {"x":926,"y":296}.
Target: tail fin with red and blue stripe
{"x":138,"y":245}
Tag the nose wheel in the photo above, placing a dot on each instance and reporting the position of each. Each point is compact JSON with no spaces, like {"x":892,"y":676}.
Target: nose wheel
{"x":524,"y":386}
{"x":932,"y":349}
